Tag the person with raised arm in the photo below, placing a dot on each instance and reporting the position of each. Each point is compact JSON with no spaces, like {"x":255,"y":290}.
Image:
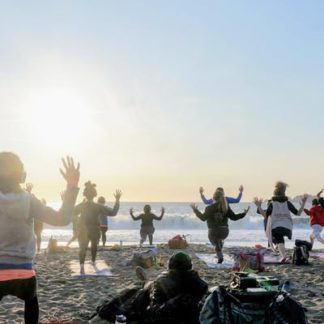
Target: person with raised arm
{"x":147,"y":228}
{"x":316,"y":218}
{"x":19,"y":210}
{"x":280,"y":223}
{"x":230,"y":200}
{"x":89,"y":225}
{"x":217,"y":216}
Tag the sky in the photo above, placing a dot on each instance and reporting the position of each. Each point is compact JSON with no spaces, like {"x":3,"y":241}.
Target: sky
{"x":158,"y":98}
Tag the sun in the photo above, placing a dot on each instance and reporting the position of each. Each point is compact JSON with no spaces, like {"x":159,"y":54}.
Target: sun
{"x":59,"y":117}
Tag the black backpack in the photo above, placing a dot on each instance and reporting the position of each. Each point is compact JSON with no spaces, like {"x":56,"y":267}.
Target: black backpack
{"x":301,"y":252}
{"x":224,"y":306}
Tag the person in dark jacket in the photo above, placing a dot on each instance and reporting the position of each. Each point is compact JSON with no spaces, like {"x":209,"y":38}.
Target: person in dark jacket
{"x":176,"y":293}
{"x":147,"y":228}
{"x":89,"y":225}
{"x":217,"y":216}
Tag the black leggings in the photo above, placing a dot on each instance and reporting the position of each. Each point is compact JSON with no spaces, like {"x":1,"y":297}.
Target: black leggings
{"x":84,"y":239}
{"x":217,"y":236}
{"x":24,"y":289}
{"x":279,"y":233}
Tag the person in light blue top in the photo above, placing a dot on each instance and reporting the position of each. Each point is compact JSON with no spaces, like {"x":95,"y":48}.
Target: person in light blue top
{"x":230,"y":200}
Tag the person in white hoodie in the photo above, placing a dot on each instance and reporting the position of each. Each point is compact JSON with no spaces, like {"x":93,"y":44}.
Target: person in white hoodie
{"x":280,"y":223}
{"x":18,"y":212}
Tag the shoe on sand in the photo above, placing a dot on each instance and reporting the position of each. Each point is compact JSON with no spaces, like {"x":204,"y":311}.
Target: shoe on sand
{"x":82,"y":269}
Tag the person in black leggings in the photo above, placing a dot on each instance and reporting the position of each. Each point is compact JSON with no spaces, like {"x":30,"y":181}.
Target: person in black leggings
{"x":217,"y":216}
{"x":89,"y":225}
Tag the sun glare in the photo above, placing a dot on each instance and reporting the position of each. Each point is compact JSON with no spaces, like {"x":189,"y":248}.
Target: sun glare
{"x":59,"y":118}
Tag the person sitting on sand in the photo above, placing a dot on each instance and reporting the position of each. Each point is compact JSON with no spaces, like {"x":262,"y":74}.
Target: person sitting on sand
{"x":229,"y":200}
{"x":103,"y":222}
{"x":173,"y":297}
{"x":316,"y":219}
{"x":18,"y":211}
{"x":147,"y":228}
{"x":89,"y":226}
{"x":217,"y":216}
{"x":280,"y":224}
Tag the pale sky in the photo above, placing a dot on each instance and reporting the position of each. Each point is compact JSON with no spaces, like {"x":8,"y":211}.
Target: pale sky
{"x":160,"y":97}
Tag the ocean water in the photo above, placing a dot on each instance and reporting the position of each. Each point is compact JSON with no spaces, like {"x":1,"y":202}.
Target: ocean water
{"x":179,"y":219}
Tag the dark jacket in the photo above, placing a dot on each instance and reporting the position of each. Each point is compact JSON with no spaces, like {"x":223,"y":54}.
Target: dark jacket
{"x":174,"y":282}
{"x":216,"y":218}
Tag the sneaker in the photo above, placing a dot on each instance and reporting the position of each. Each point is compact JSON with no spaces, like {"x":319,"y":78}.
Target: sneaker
{"x":220,"y":260}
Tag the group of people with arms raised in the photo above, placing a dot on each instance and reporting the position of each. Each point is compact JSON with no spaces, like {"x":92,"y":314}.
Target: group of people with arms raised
{"x":20,"y":210}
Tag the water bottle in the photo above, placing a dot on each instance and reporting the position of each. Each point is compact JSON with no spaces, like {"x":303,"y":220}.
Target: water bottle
{"x":286,"y":286}
{"x":120,"y":319}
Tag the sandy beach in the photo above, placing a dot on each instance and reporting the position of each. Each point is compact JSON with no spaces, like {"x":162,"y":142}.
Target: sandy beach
{"x":66,"y":299}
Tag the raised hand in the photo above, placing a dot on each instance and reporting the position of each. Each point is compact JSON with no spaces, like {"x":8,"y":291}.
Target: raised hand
{"x":241,"y":188}
{"x":71,"y":174}
{"x":201,"y":190}
{"x":29,"y":187}
{"x":193,"y":206}
{"x":117,"y":194}
{"x":162,"y":210}
{"x":131,"y":211}
{"x":304,"y":198}
{"x":246,"y":210}
{"x":258,"y":201}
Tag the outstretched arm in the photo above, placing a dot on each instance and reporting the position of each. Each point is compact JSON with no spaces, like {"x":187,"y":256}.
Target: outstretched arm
{"x":203,"y":198}
{"x":236,"y":200}
{"x":107,"y":211}
{"x":201,"y":216}
{"x":159,"y":217}
{"x":234,"y":217}
{"x":62,"y":217}
{"x":135,"y":218}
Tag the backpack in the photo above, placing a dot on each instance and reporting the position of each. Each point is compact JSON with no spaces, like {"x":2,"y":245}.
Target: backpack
{"x":224,"y":306}
{"x":301,"y":252}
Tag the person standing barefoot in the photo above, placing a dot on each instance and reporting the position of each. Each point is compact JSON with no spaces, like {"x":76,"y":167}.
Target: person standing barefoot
{"x":89,"y":225}
{"x":147,"y":228}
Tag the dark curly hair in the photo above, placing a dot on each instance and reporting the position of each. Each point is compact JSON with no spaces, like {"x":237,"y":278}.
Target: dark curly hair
{"x":90,"y":190}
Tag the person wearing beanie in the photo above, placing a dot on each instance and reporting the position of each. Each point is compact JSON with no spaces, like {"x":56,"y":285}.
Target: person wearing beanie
{"x":217,"y":216}
{"x":172,"y":287}
{"x":280,"y":224}
{"x":89,"y":225}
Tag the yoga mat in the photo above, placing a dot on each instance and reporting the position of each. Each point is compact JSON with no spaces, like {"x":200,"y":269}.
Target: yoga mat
{"x":211,"y":261}
{"x":317,"y":254}
{"x":101,"y":269}
{"x":271,"y":259}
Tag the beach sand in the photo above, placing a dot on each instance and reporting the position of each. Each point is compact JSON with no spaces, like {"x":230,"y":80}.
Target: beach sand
{"x":66,"y":299}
